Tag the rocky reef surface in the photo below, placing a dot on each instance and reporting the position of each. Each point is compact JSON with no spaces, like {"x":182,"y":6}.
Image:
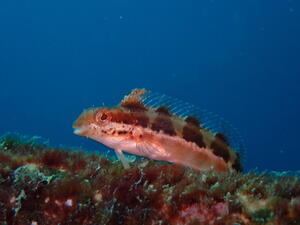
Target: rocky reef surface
{"x":44,"y":185}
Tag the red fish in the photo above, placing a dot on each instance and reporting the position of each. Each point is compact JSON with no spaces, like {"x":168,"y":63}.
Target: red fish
{"x":160,"y":128}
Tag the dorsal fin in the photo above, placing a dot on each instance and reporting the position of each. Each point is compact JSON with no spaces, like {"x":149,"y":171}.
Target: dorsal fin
{"x":133,"y":101}
{"x":193,"y":115}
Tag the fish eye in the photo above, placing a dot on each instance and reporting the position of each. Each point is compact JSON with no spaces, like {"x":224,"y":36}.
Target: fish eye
{"x":103,"y":116}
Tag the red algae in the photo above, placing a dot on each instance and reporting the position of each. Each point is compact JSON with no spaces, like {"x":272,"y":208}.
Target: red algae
{"x":44,"y":185}
{"x":54,"y":158}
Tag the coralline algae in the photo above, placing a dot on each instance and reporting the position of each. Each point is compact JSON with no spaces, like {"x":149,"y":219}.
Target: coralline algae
{"x":44,"y":185}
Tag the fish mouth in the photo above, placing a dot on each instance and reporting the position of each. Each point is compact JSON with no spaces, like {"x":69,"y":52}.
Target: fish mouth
{"x":80,"y":131}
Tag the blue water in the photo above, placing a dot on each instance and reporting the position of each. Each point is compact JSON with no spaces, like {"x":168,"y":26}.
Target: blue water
{"x":239,"y":59}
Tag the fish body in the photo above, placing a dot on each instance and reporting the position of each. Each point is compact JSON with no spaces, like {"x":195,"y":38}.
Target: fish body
{"x":157,"y":133}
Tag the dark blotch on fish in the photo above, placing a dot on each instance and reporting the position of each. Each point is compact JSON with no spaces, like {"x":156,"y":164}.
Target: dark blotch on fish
{"x":163,"y":110}
{"x":237,"y":164}
{"x":142,"y":120}
{"x":135,"y":118}
{"x":164,"y":124}
{"x":193,"y":134}
{"x":134,"y":107}
{"x":220,"y":149}
{"x":222,"y":137}
{"x":192,"y":120}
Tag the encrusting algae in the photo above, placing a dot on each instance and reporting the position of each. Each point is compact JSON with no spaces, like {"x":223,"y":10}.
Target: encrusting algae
{"x":44,"y":185}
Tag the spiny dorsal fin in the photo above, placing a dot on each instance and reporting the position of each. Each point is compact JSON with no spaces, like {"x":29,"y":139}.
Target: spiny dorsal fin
{"x":133,"y":101}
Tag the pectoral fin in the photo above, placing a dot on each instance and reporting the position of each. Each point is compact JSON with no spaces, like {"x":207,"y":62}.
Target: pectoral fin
{"x":151,"y":150}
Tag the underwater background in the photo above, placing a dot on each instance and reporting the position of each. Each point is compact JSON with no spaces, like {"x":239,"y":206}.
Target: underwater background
{"x":239,"y":59}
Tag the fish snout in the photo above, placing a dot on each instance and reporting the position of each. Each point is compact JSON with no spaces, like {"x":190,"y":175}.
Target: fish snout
{"x":79,"y":131}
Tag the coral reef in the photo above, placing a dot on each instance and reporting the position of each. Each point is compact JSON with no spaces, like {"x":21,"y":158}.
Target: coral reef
{"x":44,"y":185}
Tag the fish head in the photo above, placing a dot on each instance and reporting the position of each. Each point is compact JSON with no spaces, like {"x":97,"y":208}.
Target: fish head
{"x":105,"y":126}
{"x":92,"y":122}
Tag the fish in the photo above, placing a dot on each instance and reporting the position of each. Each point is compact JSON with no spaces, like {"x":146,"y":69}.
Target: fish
{"x":163,"y":128}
